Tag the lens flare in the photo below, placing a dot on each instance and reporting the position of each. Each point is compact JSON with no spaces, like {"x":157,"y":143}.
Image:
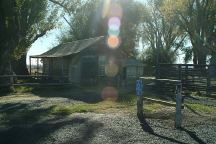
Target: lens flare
{"x":113,"y":32}
{"x":115,"y":10}
{"x":109,"y":93}
{"x":106,"y":7}
{"x":114,"y":28}
{"x":114,"y":24}
{"x":113,"y":42}
{"x":114,"y":21}
{"x":111,"y":69}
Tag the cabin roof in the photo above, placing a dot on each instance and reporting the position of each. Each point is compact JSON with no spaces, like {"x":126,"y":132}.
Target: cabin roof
{"x":70,"y":48}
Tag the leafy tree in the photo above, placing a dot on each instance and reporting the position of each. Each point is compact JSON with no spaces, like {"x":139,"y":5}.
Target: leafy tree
{"x":88,"y":21}
{"x":197,"y":18}
{"x":36,"y":19}
{"x":161,"y":35}
{"x":22,"y":23}
{"x":9,"y":32}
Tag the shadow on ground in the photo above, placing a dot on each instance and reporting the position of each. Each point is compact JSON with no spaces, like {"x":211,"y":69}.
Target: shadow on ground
{"x":45,"y":132}
{"x":147,"y":128}
{"x":22,"y":125}
{"x":22,"y":113}
{"x":71,"y":92}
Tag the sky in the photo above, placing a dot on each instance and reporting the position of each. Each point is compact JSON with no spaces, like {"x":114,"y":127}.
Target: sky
{"x":50,"y":40}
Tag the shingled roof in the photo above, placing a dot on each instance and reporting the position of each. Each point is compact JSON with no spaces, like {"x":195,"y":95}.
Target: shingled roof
{"x":70,"y":48}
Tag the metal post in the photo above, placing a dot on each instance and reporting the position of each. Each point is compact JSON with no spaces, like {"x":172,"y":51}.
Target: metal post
{"x":62,"y":71}
{"x":179,"y":72}
{"x":208,"y":81}
{"x":62,"y":67}
{"x":140,"y":105}
{"x":139,"y":91}
{"x":30,"y":71}
{"x":178,"y":118}
{"x":37,"y":66}
{"x":11,"y":74}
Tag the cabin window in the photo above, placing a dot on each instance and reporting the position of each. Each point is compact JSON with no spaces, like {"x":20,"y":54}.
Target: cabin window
{"x":131,"y":72}
{"x":140,"y":71}
{"x":134,"y":71}
{"x":102,"y":62}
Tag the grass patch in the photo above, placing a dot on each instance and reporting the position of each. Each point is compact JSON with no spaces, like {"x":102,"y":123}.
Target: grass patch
{"x":151,"y":107}
{"x":203,"y":108}
{"x":126,"y":98}
{"x":23,"y":89}
{"x":83,"y":108}
{"x":25,"y":115}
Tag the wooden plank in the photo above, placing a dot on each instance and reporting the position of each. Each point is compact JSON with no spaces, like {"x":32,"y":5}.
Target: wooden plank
{"x":160,"y":101}
{"x":5,"y":85}
{"x":167,"y":103}
{"x":169,"y":80}
{"x":42,"y":84}
{"x":32,"y":76}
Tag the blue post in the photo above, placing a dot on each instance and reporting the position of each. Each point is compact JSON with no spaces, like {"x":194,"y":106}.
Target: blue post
{"x":139,"y":92}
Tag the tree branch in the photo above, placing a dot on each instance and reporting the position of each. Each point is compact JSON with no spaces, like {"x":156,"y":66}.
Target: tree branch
{"x":64,"y":7}
{"x":38,"y":36}
{"x":61,"y":5}
{"x":67,"y":22}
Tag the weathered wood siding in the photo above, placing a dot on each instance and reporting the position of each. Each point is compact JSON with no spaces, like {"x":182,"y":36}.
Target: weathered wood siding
{"x":84,"y":67}
{"x":55,"y":66}
{"x":74,"y":69}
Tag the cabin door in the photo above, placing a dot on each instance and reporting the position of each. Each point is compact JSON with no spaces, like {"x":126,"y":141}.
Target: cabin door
{"x":89,"y":70}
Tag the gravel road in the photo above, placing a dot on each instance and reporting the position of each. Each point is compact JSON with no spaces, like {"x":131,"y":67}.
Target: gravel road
{"x":112,"y":127}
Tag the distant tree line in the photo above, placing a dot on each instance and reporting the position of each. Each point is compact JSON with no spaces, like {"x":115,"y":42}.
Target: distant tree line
{"x":188,"y":26}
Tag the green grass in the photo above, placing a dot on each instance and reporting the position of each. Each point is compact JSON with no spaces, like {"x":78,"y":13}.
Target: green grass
{"x":23,"y":89}
{"x":126,"y":102}
{"x":100,"y":107}
{"x":203,"y":108}
{"x":151,"y":107}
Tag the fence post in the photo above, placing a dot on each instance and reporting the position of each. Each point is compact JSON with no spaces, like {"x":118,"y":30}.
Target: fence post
{"x":208,"y":81}
{"x":139,"y":89}
{"x":178,"y":118}
{"x":30,"y":71}
{"x":180,"y":72}
{"x":11,"y":74}
{"x":186,"y":76}
{"x":157,"y":72}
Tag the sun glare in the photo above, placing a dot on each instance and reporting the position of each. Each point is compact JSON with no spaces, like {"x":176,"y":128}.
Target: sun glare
{"x":114,"y":23}
{"x":113,"y":42}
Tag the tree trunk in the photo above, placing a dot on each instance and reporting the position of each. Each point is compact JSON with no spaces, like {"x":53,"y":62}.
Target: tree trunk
{"x":19,"y":66}
{"x":202,"y":59}
{"x":5,"y":62}
{"x":195,"y":57}
{"x":199,"y":53}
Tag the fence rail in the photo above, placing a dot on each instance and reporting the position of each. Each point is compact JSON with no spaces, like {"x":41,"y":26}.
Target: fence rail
{"x":32,"y":80}
{"x":193,"y":77}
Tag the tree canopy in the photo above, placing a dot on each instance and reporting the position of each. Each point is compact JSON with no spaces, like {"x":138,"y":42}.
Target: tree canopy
{"x":161,"y":35}
{"x":89,"y":20}
{"x":197,"y":19}
{"x":22,"y":23}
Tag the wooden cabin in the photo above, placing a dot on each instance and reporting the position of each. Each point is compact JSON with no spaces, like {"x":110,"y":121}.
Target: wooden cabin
{"x":85,"y":61}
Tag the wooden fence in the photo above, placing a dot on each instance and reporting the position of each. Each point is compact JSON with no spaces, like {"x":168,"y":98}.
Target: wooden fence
{"x":197,"y":78}
{"x":31,"y":80}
